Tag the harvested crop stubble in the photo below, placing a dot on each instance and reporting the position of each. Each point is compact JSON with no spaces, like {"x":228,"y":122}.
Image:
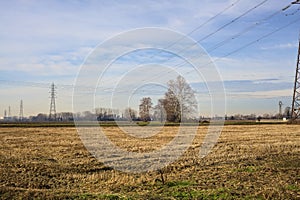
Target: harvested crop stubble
{"x":254,"y":161}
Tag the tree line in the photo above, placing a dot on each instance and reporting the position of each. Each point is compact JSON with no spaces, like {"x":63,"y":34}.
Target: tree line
{"x":178,"y":104}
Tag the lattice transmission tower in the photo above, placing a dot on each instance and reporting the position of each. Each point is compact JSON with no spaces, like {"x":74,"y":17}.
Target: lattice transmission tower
{"x":296,"y":94}
{"x":52,"y":113}
{"x":9,"y":113}
{"x":21,"y":116}
{"x":280,"y":108}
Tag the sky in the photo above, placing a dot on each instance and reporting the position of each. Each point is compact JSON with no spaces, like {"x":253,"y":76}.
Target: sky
{"x":251,"y":44}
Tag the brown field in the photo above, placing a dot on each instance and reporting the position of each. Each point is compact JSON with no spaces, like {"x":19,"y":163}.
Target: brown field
{"x":248,"y":162}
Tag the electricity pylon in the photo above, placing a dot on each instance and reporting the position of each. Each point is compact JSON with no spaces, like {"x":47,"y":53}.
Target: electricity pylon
{"x":21,"y":116}
{"x":52,"y":114}
{"x":296,"y":94}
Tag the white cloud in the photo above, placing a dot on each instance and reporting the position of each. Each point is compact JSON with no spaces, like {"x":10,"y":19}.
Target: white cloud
{"x":281,"y":46}
{"x":261,"y":94}
{"x":247,"y":68}
{"x":52,"y":38}
{"x":64,"y":63}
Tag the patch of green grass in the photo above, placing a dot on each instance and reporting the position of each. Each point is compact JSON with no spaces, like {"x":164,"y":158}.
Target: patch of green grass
{"x":249,"y":169}
{"x":179,"y":183}
{"x":183,"y":195}
{"x":143,"y":123}
{"x":85,"y":196}
{"x":294,"y":188}
{"x":185,"y":190}
{"x":220,"y":193}
{"x":36,"y":124}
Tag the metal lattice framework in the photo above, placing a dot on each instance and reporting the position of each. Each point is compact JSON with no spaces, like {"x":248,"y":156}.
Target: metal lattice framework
{"x":52,"y":114}
{"x":296,"y":95}
{"x":21,"y":116}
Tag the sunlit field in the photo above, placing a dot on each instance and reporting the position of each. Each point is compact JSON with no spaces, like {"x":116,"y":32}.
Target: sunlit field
{"x":248,"y":162}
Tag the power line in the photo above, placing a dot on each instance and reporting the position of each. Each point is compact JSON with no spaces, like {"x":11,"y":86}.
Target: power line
{"x":203,"y":24}
{"x":212,"y":18}
{"x":254,"y":41}
{"x":229,"y":39}
{"x":264,"y":36}
{"x":214,"y":32}
{"x":225,"y":25}
{"x":250,"y":43}
{"x":241,"y":33}
{"x":235,"y":51}
{"x":293,"y":13}
{"x":232,"y":21}
{"x":35,"y":84}
{"x":45,"y":85}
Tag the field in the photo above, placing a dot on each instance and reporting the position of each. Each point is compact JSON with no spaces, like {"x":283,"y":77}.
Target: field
{"x":248,"y":162}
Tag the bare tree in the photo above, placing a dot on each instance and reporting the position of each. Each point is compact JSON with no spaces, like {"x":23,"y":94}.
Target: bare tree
{"x":130,"y":114}
{"x":88,"y":115}
{"x":159,"y":111}
{"x":145,"y":106}
{"x":180,"y":102}
{"x":287,"y":112}
{"x":106,"y":114}
{"x":65,"y":116}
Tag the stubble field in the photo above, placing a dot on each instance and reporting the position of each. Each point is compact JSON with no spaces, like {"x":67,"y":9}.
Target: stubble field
{"x":248,"y":162}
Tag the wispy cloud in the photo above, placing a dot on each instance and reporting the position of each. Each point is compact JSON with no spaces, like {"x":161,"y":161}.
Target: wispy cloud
{"x":45,"y":41}
{"x":261,"y":94}
{"x":281,"y":46}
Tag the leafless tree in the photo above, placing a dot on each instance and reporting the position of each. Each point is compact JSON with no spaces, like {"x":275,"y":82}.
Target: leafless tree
{"x":159,"y":113}
{"x":179,"y":102}
{"x":144,"y":109}
{"x":130,"y":114}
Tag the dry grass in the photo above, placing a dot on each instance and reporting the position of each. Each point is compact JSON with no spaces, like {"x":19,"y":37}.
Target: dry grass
{"x":249,"y":162}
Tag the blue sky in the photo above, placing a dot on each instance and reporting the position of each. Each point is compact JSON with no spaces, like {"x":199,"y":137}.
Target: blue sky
{"x":47,"y":41}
